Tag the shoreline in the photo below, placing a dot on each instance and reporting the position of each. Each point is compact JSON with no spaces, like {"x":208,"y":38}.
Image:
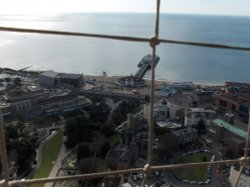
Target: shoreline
{"x":158,"y":82}
{"x":113,"y":78}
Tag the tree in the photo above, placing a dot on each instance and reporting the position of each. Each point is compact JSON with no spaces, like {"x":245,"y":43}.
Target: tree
{"x":168,"y":144}
{"x":105,"y":148}
{"x":201,"y":127}
{"x":229,"y":153}
{"x":107,"y":129}
{"x":147,"y":98}
{"x":83,"y":151}
{"x":19,"y":116}
{"x":11,"y":134}
{"x":88,"y":165}
{"x":78,"y":129}
{"x":98,"y":113}
{"x":7,"y":79}
{"x":119,"y":115}
{"x":194,"y":103}
{"x":169,"y":141}
{"x":164,"y":154}
{"x":25,"y":148}
{"x":204,"y":159}
{"x":17,"y":81}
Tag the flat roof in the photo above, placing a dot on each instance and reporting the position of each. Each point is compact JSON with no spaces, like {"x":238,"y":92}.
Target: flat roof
{"x":69,"y":75}
{"x":230,"y":128}
{"x":50,"y":74}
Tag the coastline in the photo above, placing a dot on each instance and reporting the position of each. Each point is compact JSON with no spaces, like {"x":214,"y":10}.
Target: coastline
{"x":113,"y":78}
{"x":158,"y":82}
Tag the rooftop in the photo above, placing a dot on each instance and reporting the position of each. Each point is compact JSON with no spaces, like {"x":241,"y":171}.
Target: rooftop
{"x":188,"y":130}
{"x":49,"y":73}
{"x":69,"y":76}
{"x":230,"y":127}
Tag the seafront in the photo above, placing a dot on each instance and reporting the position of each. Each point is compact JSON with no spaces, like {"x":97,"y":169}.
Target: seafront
{"x":92,"y":110}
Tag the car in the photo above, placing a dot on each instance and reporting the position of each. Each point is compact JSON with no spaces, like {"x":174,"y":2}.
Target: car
{"x":163,"y":180}
{"x":207,"y":181}
{"x":158,"y":183}
{"x":141,"y":176}
{"x":134,"y":177}
{"x":192,"y":182}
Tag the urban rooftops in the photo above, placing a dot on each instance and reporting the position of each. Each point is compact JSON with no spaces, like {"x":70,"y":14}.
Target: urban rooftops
{"x":230,"y":128}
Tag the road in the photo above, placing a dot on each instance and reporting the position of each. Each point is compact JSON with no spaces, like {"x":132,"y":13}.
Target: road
{"x":214,"y":181}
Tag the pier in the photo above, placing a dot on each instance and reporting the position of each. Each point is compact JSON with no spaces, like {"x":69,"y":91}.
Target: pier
{"x":145,"y":64}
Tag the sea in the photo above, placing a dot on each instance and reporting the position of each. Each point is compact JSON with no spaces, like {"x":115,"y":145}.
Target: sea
{"x":92,"y":56}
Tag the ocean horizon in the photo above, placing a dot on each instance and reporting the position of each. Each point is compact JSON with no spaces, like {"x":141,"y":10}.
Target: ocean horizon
{"x":92,"y":56}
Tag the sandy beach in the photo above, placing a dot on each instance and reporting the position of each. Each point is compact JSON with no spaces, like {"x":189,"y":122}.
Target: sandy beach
{"x":113,"y":79}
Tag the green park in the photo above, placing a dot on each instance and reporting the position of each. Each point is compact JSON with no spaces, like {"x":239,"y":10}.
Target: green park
{"x":50,"y":152}
{"x":194,"y":173}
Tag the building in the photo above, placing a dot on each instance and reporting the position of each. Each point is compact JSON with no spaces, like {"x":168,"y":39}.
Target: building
{"x":33,"y":101}
{"x":51,"y":78}
{"x":167,"y":91}
{"x":244,"y":110}
{"x":231,"y":101}
{"x":194,"y":115}
{"x":22,"y":100}
{"x":62,"y":102}
{"x":244,"y":180}
{"x":186,"y":135}
{"x":163,"y":111}
{"x":180,"y":85}
{"x":230,"y":135}
{"x":121,"y":157}
{"x":160,"y":112}
{"x":237,"y":87}
{"x":73,"y":79}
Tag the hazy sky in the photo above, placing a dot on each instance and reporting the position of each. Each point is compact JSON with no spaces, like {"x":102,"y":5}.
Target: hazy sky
{"x":229,"y":7}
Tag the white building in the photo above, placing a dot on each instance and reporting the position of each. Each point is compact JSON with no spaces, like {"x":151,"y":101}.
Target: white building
{"x":49,"y":78}
{"x":194,"y":115}
{"x":163,"y":111}
{"x":244,"y":180}
{"x":186,"y":135}
{"x":160,"y":111}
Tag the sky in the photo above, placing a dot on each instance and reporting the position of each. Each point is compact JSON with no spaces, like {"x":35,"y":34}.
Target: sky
{"x":218,"y":7}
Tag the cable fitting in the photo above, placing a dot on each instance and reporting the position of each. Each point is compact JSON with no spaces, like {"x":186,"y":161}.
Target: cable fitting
{"x":3,"y":183}
{"x":243,"y":161}
{"x":154,"y":41}
{"x":147,"y":169}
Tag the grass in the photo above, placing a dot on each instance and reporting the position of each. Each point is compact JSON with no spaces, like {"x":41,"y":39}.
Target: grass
{"x":102,"y":166}
{"x":114,"y":139}
{"x":197,"y":173}
{"x":51,"y":150}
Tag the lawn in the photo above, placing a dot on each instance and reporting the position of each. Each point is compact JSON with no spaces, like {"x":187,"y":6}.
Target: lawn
{"x":51,"y":150}
{"x":101,"y":165}
{"x":197,"y":173}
